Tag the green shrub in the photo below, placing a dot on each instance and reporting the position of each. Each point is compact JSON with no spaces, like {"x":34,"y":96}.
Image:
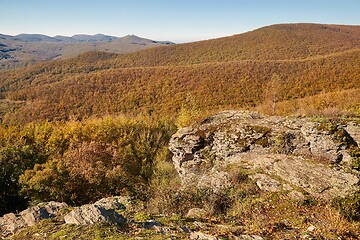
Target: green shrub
{"x":349,"y":206}
{"x":354,"y":152}
{"x":97,"y":158}
{"x":283,"y":143}
{"x":13,"y":162}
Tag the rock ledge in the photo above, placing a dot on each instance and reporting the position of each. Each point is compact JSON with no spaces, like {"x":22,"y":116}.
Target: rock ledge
{"x":286,"y":153}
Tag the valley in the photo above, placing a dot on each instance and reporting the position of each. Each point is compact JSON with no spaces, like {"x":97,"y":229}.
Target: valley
{"x":28,"y":49}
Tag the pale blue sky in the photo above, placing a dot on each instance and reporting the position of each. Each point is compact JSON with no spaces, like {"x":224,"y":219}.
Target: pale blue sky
{"x":174,"y":20}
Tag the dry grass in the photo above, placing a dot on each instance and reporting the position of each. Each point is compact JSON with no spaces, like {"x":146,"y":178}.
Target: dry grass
{"x":250,"y":211}
{"x":333,"y":104}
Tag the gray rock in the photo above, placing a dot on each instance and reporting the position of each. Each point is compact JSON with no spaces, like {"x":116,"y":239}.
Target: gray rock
{"x":354,"y":130}
{"x":201,"y":236}
{"x":93,"y":213}
{"x":34,"y":214}
{"x":115,"y":203}
{"x":10,"y":223}
{"x":265,"y":182}
{"x":196,"y":213}
{"x":248,"y":237}
{"x":317,"y":179}
{"x":154,"y":225}
{"x":296,"y":195}
{"x":311,"y":228}
{"x":279,"y":147}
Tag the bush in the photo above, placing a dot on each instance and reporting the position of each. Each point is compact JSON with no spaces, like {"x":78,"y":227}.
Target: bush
{"x":82,"y":175}
{"x":168,"y":196}
{"x":97,"y":158}
{"x":13,"y":162}
{"x":349,"y":206}
{"x":354,"y":152}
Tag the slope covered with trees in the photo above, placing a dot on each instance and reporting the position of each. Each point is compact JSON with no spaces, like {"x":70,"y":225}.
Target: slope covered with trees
{"x":99,"y":124}
{"x":314,"y":59}
{"x":277,"y":42}
{"x":165,"y":89}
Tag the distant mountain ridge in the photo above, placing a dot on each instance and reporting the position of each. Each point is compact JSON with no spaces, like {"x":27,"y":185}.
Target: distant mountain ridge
{"x":58,"y":38}
{"x":24,"y":49}
{"x":25,"y":37}
{"x":33,"y":38}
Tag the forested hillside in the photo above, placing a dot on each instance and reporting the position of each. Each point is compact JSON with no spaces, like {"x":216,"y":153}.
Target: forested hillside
{"x":300,"y":60}
{"x":277,"y":42}
{"x":99,"y":125}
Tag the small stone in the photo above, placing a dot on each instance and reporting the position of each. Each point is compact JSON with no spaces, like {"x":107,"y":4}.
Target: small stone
{"x":201,"y":236}
{"x":311,"y":228}
{"x":153,"y":225}
{"x":287,"y":187}
{"x":266,"y":183}
{"x":200,"y":225}
{"x":184,"y":229}
{"x":115,"y":203}
{"x":196,"y":213}
{"x":296,"y":195}
{"x":248,"y":237}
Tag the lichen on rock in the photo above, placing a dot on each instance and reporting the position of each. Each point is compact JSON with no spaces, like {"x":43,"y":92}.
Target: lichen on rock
{"x":11,"y":223}
{"x":290,"y":153}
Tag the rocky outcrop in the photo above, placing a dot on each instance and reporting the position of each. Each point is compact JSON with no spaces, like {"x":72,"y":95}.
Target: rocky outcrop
{"x":92,"y":213}
{"x":107,"y":210}
{"x":11,"y":222}
{"x":284,"y":172}
{"x":354,"y":130}
{"x":283,"y":153}
{"x":103,"y":210}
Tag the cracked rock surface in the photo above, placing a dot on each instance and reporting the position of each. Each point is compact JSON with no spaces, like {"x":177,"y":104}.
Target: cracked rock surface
{"x":284,"y":153}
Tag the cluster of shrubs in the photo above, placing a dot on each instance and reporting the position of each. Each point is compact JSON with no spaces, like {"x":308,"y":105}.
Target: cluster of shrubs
{"x":82,"y":161}
{"x":79,"y":161}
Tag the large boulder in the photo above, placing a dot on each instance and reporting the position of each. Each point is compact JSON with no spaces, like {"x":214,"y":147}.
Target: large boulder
{"x":354,"y":130}
{"x":299,"y":152}
{"x":91,"y":213}
{"x":103,"y":210}
{"x":11,"y":222}
{"x":317,"y":179}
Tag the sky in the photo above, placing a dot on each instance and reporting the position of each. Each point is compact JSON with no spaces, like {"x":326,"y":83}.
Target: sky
{"x":172,"y":20}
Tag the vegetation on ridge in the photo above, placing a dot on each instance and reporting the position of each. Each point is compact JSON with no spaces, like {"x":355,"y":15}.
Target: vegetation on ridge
{"x":79,"y":162}
{"x":162,"y":90}
{"x":61,"y":136}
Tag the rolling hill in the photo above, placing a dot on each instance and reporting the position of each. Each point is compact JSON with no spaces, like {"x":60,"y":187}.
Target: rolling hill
{"x":79,"y":129}
{"x":276,"y":42}
{"x":311,"y":66}
{"x":25,"y":49}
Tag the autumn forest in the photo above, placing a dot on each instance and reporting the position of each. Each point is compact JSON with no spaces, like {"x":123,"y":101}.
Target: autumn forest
{"x":98,"y":124}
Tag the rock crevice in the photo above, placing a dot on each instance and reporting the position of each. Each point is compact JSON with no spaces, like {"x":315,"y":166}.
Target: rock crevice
{"x":303,"y":153}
